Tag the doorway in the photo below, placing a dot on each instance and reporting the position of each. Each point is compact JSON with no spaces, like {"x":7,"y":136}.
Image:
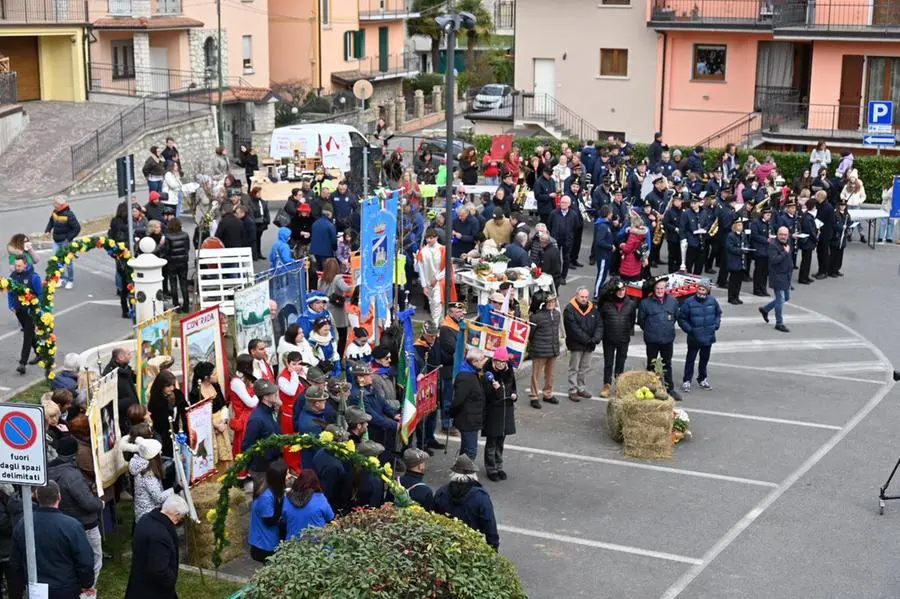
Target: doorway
{"x":544,"y":84}
{"x":159,"y":70}
{"x":383,"y":49}
{"x":23,"y":59}
{"x":851,"y":92}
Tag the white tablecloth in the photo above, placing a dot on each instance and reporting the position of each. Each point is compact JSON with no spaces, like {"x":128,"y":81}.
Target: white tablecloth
{"x":867,"y":213}
{"x":524,"y":286}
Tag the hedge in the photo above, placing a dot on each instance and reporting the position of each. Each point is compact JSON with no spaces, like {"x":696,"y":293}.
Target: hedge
{"x":875,"y":171}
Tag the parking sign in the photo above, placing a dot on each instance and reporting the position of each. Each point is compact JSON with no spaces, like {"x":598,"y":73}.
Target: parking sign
{"x":880,"y":116}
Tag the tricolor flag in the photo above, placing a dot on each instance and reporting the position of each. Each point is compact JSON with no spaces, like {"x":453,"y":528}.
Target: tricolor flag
{"x":406,"y":373}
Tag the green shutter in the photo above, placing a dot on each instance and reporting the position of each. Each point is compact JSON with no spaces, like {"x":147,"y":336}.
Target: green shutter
{"x":361,"y":44}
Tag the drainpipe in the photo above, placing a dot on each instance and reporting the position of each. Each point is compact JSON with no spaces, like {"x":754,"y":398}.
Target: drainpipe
{"x":662,"y":91}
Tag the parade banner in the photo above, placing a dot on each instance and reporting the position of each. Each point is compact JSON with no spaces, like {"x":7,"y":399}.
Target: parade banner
{"x":253,"y":316}
{"x":201,"y":441}
{"x":484,"y":337}
{"x":287,"y":288}
{"x":103,"y":419}
{"x":154,"y":338}
{"x":406,"y":372}
{"x":378,"y":246}
{"x":201,"y":341}
{"x":427,"y":394}
{"x":517,"y":332}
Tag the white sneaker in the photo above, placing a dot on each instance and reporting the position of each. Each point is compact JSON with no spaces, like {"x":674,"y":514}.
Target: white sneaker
{"x":705,"y":384}
{"x":686,"y":386}
{"x":69,"y":284}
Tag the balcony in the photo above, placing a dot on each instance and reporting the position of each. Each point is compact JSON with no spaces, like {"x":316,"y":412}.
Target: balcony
{"x":785,"y":121}
{"x":378,"y":68}
{"x":504,"y":17}
{"x":711,"y":14}
{"x":823,"y":19}
{"x":43,"y":12}
{"x":126,"y":8}
{"x":385,"y":10}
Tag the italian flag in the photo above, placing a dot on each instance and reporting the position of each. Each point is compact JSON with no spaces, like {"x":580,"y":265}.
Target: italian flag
{"x":406,"y":374}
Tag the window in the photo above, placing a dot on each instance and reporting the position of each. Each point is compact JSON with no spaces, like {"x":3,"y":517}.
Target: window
{"x":360,"y":44}
{"x":613,"y":62}
{"x":350,"y":45}
{"x":247,"y":49}
{"x":882,"y":82}
{"x":210,"y":53}
{"x":326,"y":12}
{"x":709,"y":63}
{"x":123,"y":59}
{"x":615,"y":2}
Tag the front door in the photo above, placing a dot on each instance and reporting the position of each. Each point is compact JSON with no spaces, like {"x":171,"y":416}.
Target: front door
{"x":851,"y":92}
{"x":159,"y":70}
{"x":23,"y":59}
{"x":383,"y":49}
{"x":544,"y":84}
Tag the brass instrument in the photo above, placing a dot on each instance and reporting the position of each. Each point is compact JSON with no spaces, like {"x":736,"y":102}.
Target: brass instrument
{"x":521,"y":191}
{"x":757,"y":209}
{"x":660,"y":231}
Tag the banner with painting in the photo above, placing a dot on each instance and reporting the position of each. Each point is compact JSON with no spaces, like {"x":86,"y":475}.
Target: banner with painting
{"x":378,"y":247}
{"x":103,"y":419}
{"x":484,"y":337}
{"x":201,"y":341}
{"x":517,"y":332}
{"x":287,"y":287}
{"x":253,"y":316}
{"x":154,"y":338}
{"x":201,"y":442}
{"x":427,"y":394}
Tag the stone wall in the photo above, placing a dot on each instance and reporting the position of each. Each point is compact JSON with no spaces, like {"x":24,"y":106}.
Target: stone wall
{"x":196,"y":138}
{"x":13,"y":119}
{"x":263,"y":125}
{"x":196,"y":40}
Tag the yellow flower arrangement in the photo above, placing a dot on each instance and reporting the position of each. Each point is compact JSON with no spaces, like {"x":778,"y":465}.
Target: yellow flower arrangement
{"x":326,"y":436}
{"x":295,"y":448}
{"x":388,"y":470}
{"x":374,"y":461}
{"x":350,"y":445}
{"x":211,"y":515}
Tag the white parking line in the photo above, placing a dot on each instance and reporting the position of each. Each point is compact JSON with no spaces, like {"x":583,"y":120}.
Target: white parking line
{"x":795,"y":370}
{"x":731,"y":321}
{"x":750,"y":346}
{"x":550,"y":536}
{"x":638,"y":465}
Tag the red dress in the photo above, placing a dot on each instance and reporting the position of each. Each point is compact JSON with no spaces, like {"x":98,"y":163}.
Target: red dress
{"x":631,"y":264}
{"x":241,"y":411}
{"x":288,"y":403}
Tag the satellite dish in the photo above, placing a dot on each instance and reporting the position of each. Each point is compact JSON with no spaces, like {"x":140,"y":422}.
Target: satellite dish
{"x":362,"y":89}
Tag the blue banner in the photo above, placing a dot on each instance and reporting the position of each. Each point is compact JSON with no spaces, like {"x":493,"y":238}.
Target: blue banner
{"x":287,"y":287}
{"x":378,"y":248}
{"x":895,"y":199}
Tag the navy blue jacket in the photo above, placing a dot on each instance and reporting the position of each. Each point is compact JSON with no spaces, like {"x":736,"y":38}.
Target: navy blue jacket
{"x":543,"y":187}
{"x":733,"y":254}
{"x":469,"y":502}
{"x":665,"y":168}
{"x":759,"y":237}
{"x":690,"y":222}
{"x":781,"y":266}
{"x":305,"y":422}
{"x":700,"y":319}
{"x":603,"y":239}
{"x":382,"y":427}
{"x":695,"y":163}
{"x":808,"y":226}
{"x":518,"y":257}
{"x":261,"y":425}
{"x":369,"y":491}
{"x":28,"y":278}
{"x":657,"y":319}
{"x":562,"y":227}
{"x":65,"y":561}
{"x":418,"y":490}
{"x":343,"y":206}
{"x":468,"y":228}
{"x":589,"y":158}
{"x":154,"y":561}
{"x":672,"y":224}
{"x":323,"y":238}
{"x":825,"y":213}
{"x":64,"y":225}
{"x":334,"y":475}
{"x":725,"y":214}
{"x":599,"y":198}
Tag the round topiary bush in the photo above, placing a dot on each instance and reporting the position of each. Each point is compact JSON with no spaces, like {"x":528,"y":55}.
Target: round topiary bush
{"x":388,"y":553}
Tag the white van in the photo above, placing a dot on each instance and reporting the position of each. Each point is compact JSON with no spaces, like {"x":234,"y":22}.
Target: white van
{"x":332,"y":140}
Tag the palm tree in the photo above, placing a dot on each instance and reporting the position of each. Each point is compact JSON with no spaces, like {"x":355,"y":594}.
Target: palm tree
{"x":484,"y":27}
{"x":427,"y":26}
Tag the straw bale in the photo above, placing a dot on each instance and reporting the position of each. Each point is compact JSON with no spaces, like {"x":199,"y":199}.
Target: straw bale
{"x":201,"y":541}
{"x":615,"y":415}
{"x":647,"y":428}
{"x":629,"y":382}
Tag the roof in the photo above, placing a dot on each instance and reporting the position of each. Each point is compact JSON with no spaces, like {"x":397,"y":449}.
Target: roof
{"x":153,"y":23}
{"x":234,"y":94}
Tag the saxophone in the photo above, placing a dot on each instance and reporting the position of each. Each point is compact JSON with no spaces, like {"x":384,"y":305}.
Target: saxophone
{"x":660,"y":231}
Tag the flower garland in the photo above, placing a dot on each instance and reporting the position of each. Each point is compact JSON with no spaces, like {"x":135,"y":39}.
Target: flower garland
{"x":325,"y":440}
{"x":44,"y":321}
{"x":23,"y":293}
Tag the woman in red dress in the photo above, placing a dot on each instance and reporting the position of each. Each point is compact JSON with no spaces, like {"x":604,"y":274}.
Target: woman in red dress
{"x":242,"y":399}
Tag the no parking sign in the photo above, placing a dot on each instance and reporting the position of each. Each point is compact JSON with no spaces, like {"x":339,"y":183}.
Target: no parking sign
{"x":23,"y":459}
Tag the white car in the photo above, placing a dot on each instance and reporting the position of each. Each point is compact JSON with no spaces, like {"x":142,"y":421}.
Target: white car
{"x":492,"y":97}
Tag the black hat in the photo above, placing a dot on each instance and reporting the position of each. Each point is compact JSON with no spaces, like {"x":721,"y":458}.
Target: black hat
{"x":429,"y":328}
{"x":67,"y":446}
{"x":765,"y":209}
{"x":360,"y":332}
{"x":380,"y":352}
{"x":460,"y":305}
{"x":498,"y":212}
{"x":791,"y":202}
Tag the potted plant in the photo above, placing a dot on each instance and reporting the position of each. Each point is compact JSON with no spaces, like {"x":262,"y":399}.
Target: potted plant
{"x":498,"y":262}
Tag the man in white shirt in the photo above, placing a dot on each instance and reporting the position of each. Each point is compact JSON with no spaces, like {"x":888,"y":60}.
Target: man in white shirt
{"x":262,"y":369}
{"x":431,"y":264}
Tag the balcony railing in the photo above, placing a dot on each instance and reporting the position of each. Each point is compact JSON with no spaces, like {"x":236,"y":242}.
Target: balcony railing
{"x":43,"y":12}
{"x":505,"y":15}
{"x":380,"y":67}
{"x":839,"y":16}
{"x":8,"y":90}
{"x":826,"y":121}
{"x":385,"y":10}
{"x":689,"y":13}
{"x":126,"y":8}
{"x":107,"y":78}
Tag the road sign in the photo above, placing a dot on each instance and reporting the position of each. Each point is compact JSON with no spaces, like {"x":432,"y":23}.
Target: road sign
{"x":879,"y":140}
{"x":23,"y":458}
{"x":880,"y":115}
{"x":895,"y":198}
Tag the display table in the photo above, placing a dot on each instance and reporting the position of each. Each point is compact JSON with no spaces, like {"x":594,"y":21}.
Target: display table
{"x":524,"y":286}
{"x":871,"y":215}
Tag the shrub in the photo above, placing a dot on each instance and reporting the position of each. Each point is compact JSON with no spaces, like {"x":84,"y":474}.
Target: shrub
{"x":424,"y":82}
{"x":388,"y":553}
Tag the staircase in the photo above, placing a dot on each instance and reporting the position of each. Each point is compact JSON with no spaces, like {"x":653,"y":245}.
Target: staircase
{"x":743,"y":132}
{"x":547,"y":113}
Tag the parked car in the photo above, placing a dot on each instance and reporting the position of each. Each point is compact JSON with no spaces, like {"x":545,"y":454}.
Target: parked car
{"x":438,"y":146}
{"x":492,"y":97}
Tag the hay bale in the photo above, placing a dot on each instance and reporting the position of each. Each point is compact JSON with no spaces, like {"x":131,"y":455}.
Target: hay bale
{"x":200,"y":542}
{"x":629,"y":382}
{"x":647,"y":428}
{"x":615,"y":414}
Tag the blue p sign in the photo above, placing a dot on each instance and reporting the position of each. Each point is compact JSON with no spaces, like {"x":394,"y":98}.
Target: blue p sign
{"x":881,"y":112}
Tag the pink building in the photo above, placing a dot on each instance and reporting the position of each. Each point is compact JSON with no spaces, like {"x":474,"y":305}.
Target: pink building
{"x":773,"y":72}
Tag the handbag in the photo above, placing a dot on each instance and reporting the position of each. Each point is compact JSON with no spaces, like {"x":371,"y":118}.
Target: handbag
{"x":282,"y":219}
{"x":337,"y":298}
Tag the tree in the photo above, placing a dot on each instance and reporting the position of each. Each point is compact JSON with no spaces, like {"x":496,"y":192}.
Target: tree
{"x":484,"y":27}
{"x":293,"y":94}
{"x":427,"y":26}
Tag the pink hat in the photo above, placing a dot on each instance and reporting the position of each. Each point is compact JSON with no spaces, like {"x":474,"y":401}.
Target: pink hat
{"x":501,"y":355}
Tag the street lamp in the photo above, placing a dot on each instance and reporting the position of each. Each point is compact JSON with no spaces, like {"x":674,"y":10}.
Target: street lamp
{"x":450,"y":23}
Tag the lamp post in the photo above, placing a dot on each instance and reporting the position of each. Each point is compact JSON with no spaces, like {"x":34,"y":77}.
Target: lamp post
{"x":450,"y":23}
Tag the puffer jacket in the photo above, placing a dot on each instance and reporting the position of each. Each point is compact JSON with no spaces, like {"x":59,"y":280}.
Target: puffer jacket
{"x":148,"y":490}
{"x":63,"y":224}
{"x":281,"y":249}
{"x":618,"y":319}
{"x":77,"y":499}
{"x":545,"y":334}
{"x":178,"y":249}
{"x":657,"y":319}
{"x":700,"y":319}
{"x":631,"y":263}
{"x":584,"y":328}
{"x":467,"y":408}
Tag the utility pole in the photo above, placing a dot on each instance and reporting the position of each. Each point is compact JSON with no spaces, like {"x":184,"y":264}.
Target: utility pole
{"x":220,"y":114}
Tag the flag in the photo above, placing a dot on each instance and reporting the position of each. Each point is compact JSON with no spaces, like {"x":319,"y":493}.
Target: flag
{"x":406,"y":372}
{"x":460,"y":353}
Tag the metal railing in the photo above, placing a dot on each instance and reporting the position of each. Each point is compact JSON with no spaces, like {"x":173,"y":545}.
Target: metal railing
{"x":504,"y":15}
{"x":546,"y":109}
{"x":126,"y":8}
{"x":376,"y":10}
{"x":147,"y":81}
{"x":376,"y":66}
{"x":839,"y":16}
{"x":92,"y":149}
{"x":737,"y":132}
{"x":712,"y":12}
{"x":822,"y":120}
{"x":766,"y":95}
{"x":8,"y":91}
{"x":43,"y":11}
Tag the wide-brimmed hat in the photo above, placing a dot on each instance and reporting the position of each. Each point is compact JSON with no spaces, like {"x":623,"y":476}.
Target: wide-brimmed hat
{"x":264,"y":387}
{"x":413,"y":457}
{"x":463,"y":465}
{"x":354,"y":416}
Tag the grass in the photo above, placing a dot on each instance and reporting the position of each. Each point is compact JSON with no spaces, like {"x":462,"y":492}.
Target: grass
{"x":31,"y":394}
{"x":114,"y":580}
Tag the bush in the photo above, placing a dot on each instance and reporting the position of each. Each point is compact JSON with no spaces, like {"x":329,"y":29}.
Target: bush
{"x":424,"y":82}
{"x":388,"y":553}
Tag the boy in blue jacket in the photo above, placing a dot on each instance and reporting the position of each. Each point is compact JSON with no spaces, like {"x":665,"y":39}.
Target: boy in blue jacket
{"x":603,"y":248}
{"x":23,"y":274}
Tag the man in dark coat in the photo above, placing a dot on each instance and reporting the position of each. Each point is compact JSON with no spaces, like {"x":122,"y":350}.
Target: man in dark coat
{"x":809,"y":242}
{"x":760,"y":231}
{"x":693,"y":220}
{"x":602,"y":248}
{"x":230,"y":230}
{"x":672,"y":225}
{"x":551,"y":259}
{"x":699,"y":317}
{"x":428,"y":359}
{"x":544,"y":351}
{"x":465,"y":229}
{"x":334,"y":474}
{"x":617,"y":311}
{"x":562,"y":224}
{"x":324,"y":238}
{"x":121,"y":361}
{"x":584,"y":330}
{"x":515,"y":251}
{"x":780,"y":270}
{"x":464,"y":498}
{"x":656,"y":317}
{"x":545,"y":194}
{"x":261,"y":425}
{"x":467,"y":408}
{"x":414,"y":479}
{"x":825,"y":215}
{"x":368,"y":489}
{"x":154,"y":558}
{"x":65,"y":562}
{"x":655,"y":149}
{"x":448,"y":333}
